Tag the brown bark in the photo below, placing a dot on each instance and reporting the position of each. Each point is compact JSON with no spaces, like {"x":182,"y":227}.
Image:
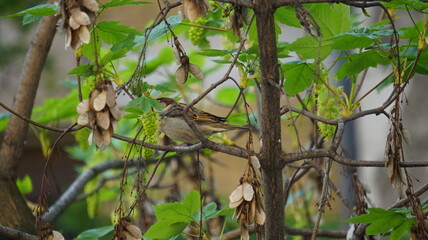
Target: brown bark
{"x":15,"y":212}
{"x":271,"y":126}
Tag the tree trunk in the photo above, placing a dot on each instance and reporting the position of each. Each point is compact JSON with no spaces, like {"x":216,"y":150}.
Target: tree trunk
{"x":15,"y":212}
{"x":271,"y":125}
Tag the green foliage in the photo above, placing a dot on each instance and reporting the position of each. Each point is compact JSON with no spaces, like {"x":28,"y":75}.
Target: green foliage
{"x":96,"y":233}
{"x":382,"y":221}
{"x":172,"y":218}
{"x":35,"y":13}
{"x":117,"y":3}
{"x":298,"y":75}
{"x":25,"y":185}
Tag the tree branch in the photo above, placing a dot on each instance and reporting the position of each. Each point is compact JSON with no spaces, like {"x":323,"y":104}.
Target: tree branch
{"x":70,"y":195}
{"x":10,"y":233}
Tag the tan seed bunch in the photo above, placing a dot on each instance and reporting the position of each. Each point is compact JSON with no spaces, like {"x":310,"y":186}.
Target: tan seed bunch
{"x":247,"y":198}
{"x":77,"y":15}
{"x":182,"y":73}
{"x":124,"y":230}
{"x":100,"y":112}
{"x":193,"y":9}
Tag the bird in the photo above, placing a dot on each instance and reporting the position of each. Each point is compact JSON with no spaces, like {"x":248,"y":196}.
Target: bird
{"x":173,"y":124}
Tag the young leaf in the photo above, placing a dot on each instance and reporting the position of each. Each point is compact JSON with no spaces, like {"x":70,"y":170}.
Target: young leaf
{"x":39,"y":10}
{"x":117,"y":3}
{"x":333,"y":19}
{"x":399,"y":231}
{"x":347,"y":41}
{"x":308,"y":48}
{"x":84,"y":70}
{"x":192,"y":201}
{"x":24,"y":185}
{"x":165,"y":229}
{"x":356,"y":63}
{"x":113,"y":32}
{"x":96,"y":233}
{"x":287,"y":15}
{"x":298,"y":76}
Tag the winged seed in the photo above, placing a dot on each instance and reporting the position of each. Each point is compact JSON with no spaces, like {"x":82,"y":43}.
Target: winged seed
{"x":237,"y":194}
{"x":248,"y":191}
{"x":196,"y":71}
{"x":100,"y":101}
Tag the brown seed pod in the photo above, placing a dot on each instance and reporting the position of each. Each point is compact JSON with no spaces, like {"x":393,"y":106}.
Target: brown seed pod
{"x":196,"y":71}
{"x":181,"y":75}
{"x":247,"y":191}
{"x":103,"y":119}
{"x":91,"y":5}
{"x":100,"y":101}
{"x":83,"y":119}
{"x":111,"y":95}
{"x":134,"y":231}
{"x":84,"y":34}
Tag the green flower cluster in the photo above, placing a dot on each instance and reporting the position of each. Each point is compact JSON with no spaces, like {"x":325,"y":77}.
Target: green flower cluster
{"x":327,"y":107}
{"x":150,"y":126}
{"x":196,"y":34}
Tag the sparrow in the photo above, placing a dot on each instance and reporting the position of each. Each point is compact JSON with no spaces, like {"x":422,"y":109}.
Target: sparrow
{"x":175,"y":126}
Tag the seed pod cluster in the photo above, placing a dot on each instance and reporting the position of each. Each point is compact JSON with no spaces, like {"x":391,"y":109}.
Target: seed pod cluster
{"x":77,"y":15}
{"x":193,"y":9}
{"x":247,"y":198}
{"x":101,"y":113}
{"x":182,"y":73}
{"x":124,"y":230}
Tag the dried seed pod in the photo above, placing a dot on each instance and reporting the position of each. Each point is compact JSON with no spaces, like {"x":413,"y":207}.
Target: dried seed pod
{"x":91,"y":5}
{"x":103,"y":119}
{"x":196,"y":71}
{"x":57,"y":236}
{"x":82,"y":120}
{"x":111,"y":96}
{"x":100,"y":101}
{"x":247,"y":191}
{"x":236,"y":204}
{"x":83,"y":107}
{"x":190,"y":9}
{"x":260,"y":217}
{"x":83,"y":34}
{"x":134,"y":231}
{"x":80,"y":17}
{"x":237,"y":194}
{"x":181,"y":75}
{"x":115,"y":112}
{"x":73,"y":24}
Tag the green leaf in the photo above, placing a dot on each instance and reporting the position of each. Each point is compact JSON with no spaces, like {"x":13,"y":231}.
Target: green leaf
{"x":116,"y":3}
{"x":110,"y":56}
{"x":84,"y":70}
{"x":159,"y":31}
{"x":298,"y":76}
{"x":145,"y":103}
{"x":214,"y":52}
{"x":28,"y":18}
{"x":347,"y":41}
{"x":287,"y":15}
{"x":96,"y":233}
{"x":333,"y":19}
{"x":39,"y":10}
{"x":25,"y":185}
{"x":356,"y":63}
{"x":113,"y":32}
{"x":192,"y":201}
{"x":307,"y":48}
{"x":399,"y":231}
{"x":173,"y":212}
{"x":385,"y":223}
{"x":165,"y":229}
{"x":415,"y":4}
